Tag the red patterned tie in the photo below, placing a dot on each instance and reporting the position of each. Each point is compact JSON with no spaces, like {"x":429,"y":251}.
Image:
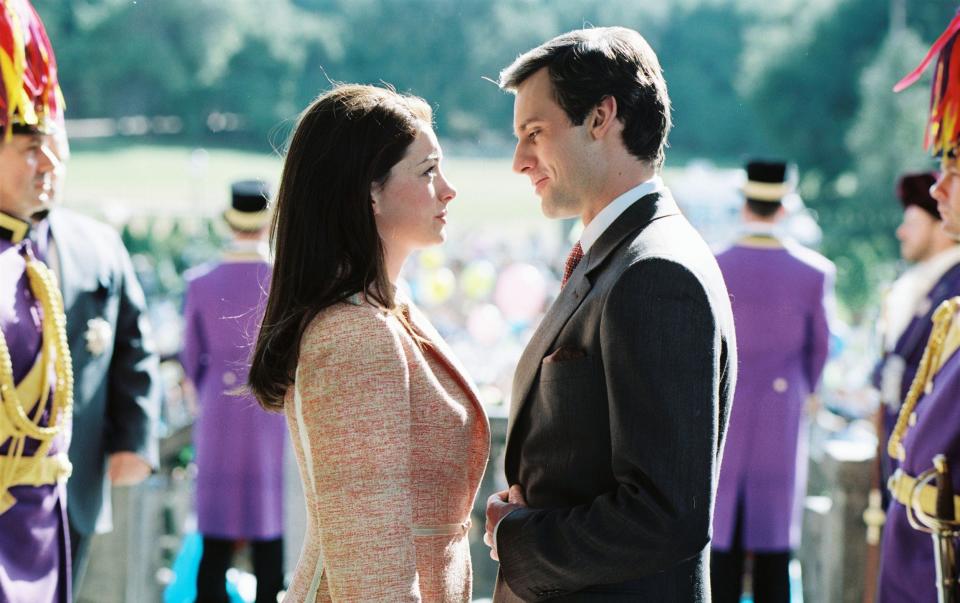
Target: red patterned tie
{"x":576,"y":254}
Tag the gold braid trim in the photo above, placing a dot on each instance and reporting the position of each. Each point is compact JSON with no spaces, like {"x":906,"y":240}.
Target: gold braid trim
{"x":930,"y":362}
{"x":45,"y":290}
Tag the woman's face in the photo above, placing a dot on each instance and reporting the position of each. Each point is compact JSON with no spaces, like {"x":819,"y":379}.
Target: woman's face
{"x":410,"y":207}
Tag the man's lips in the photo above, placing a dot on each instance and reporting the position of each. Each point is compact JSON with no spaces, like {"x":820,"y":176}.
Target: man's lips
{"x":539,"y":182}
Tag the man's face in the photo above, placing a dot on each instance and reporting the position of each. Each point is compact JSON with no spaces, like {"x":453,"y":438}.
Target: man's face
{"x":26,"y":169}
{"x":947,"y":193}
{"x":915,"y":234}
{"x":551,"y":151}
{"x":58,"y":145}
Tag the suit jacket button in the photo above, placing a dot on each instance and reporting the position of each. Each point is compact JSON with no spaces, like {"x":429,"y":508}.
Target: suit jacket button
{"x":779,"y":385}
{"x":229,"y":378}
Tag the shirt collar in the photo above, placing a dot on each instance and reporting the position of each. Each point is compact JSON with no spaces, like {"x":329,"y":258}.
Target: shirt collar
{"x":609,"y":214}
{"x":760,"y":228}
{"x":247,"y":251}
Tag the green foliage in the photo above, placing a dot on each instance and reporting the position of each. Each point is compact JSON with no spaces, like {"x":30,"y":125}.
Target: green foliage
{"x":885,"y":139}
{"x":808,"y":80}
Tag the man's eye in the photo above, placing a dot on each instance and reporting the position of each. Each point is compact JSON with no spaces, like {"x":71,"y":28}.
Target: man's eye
{"x":533,"y":134}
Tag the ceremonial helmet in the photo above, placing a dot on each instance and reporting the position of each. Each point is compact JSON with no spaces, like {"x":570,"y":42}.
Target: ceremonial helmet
{"x":942,"y":135}
{"x":30,"y":97}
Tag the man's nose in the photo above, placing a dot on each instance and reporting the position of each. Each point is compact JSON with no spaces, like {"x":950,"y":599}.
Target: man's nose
{"x":47,"y":160}
{"x":522,"y":160}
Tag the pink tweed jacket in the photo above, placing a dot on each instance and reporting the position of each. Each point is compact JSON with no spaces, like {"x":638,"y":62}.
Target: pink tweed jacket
{"x":391,"y":443}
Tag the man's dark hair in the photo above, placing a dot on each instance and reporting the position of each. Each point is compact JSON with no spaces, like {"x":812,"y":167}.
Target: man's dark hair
{"x":763,"y":209}
{"x":588,"y":65}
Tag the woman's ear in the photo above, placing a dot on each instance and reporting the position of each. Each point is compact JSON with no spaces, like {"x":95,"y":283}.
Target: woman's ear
{"x":376,"y":190}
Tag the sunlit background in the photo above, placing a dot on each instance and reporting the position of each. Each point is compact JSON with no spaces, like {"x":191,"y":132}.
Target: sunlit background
{"x":168,"y":101}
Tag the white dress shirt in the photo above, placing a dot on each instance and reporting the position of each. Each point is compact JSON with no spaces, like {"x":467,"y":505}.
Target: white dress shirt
{"x":609,"y":214}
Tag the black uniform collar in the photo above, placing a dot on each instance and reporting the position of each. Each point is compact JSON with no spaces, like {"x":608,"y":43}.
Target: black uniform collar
{"x":13,"y":229}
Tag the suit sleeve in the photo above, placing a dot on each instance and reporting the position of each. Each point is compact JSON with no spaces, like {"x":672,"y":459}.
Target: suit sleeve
{"x":194,"y":353}
{"x":354,"y":385}
{"x":133,"y":399}
{"x":818,"y":331}
{"x":660,"y":354}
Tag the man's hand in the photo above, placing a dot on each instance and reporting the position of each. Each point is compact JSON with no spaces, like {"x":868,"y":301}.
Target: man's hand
{"x":499,"y":505}
{"x":127,"y":469}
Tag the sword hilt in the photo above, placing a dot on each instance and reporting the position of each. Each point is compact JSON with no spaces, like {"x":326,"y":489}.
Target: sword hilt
{"x":945,"y":506}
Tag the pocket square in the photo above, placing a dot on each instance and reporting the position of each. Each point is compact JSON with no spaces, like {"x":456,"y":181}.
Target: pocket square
{"x":564,"y":354}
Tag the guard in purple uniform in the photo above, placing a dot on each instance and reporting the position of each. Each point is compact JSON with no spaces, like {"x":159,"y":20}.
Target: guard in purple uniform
{"x":239,"y":446}
{"x":780,"y":292}
{"x":929,"y":420}
{"x":36,"y":376}
{"x":908,"y":307}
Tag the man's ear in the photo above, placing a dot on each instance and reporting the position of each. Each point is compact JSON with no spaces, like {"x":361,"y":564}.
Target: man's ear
{"x":602,"y":117}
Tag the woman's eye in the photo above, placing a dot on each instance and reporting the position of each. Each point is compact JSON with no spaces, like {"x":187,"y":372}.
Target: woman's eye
{"x":431,"y":171}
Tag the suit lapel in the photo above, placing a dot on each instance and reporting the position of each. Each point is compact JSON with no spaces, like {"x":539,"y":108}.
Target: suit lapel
{"x":69,"y":265}
{"x":559,"y":313}
{"x":636,"y":217}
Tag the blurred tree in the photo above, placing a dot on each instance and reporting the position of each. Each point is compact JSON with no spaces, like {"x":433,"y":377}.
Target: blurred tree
{"x":700,"y":51}
{"x":884,"y":140}
{"x":804,"y":92}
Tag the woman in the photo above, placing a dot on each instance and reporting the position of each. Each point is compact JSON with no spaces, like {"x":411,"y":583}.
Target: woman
{"x":388,"y":431}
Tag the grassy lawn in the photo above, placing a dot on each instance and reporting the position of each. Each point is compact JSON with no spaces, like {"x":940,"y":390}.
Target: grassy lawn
{"x":142,"y":180}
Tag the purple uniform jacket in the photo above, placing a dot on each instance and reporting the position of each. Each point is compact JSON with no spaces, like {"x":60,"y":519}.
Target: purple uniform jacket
{"x":779,"y":293}
{"x":239,"y":446}
{"x":910,"y":347}
{"x":907,"y":570}
{"x":34,"y":546}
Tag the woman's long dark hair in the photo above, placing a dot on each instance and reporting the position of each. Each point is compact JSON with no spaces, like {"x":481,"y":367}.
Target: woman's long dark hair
{"x":324,"y":234}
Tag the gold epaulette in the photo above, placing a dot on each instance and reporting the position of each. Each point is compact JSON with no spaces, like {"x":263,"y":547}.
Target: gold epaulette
{"x":951,"y":341}
{"x":944,"y":341}
{"x":901,"y":486}
{"x":32,"y":471}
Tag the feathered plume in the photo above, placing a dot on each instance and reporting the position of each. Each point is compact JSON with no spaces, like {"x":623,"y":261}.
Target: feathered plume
{"x":30,"y":95}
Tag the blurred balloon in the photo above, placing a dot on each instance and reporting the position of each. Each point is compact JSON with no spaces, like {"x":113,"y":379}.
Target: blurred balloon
{"x":437,"y":286}
{"x":521,"y":292}
{"x":477,"y":279}
{"x":491,"y":395}
{"x":485,"y":324}
{"x":432,"y":259}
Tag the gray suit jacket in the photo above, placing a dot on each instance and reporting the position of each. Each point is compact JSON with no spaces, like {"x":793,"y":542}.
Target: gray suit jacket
{"x":619,"y":409}
{"x":116,"y":390}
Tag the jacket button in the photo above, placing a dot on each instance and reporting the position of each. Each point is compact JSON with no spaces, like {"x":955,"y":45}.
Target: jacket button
{"x":780,"y":385}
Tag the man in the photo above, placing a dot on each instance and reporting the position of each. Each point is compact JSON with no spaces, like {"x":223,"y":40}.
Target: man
{"x":239,"y":446}
{"x":620,"y":400}
{"x":35,"y":369}
{"x":908,"y":307}
{"x":929,"y":420}
{"x":116,"y":369}
{"x":780,"y":292}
